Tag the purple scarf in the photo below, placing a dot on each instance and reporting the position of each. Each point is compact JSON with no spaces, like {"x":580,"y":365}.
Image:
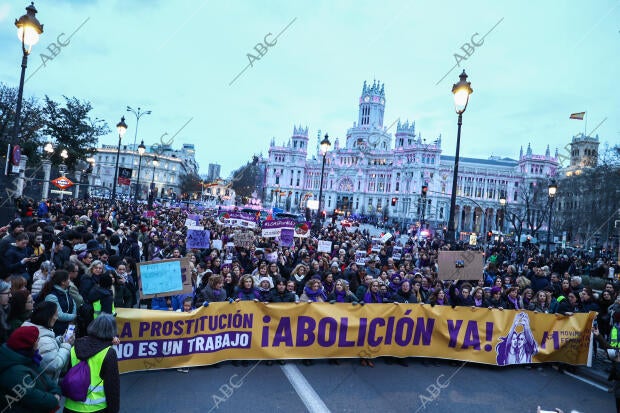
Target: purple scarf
{"x":514,"y":301}
{"x":340,"y":296}
{"x":314,"y":295}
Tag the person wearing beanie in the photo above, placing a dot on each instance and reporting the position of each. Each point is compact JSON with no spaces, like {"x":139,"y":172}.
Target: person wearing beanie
{"x":5,"y":309}
{"x":20,"y":363}
{"x":264,"y":289}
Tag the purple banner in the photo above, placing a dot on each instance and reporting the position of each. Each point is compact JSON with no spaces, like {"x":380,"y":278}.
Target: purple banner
{"x":271,"y":229}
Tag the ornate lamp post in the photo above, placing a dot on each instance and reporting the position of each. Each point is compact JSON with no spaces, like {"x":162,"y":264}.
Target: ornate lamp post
{"x":138,"y":114}
{"x":90,"y":171}
{"x":141,"y":150}
{"x":122,"y":128}
{"x":325,"y":145}
{"x":28,"y":32}
{"x":152,"y":191}
{"x":461,"y":91}
{"x":502,"y":202}
{"x":553,"y":188}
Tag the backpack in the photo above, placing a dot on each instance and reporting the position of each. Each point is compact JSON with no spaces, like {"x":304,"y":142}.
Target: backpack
{"x":75,"y":383}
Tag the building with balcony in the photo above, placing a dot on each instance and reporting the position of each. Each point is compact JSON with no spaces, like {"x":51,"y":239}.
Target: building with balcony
{"x":165,"y":175}
{"x":380,"y":175}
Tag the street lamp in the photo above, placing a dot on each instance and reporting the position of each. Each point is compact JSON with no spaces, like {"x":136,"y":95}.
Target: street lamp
{"x":152,"y":194}
{"x":461,"y":91}
{"x":502,"y":202}
{"x":90,"y":171}
{"x":28,"y":31}
{"x":138,"y":114}
{"x":141,"y":150}
{"x":553,"y":188}
{"x":122,"y":128}
{"x":325,"y":145}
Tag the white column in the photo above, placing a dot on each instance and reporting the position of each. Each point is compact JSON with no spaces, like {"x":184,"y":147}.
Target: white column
{"x":78,"y":179}
{"x":21,"y":180}
{"x":47,"y":170}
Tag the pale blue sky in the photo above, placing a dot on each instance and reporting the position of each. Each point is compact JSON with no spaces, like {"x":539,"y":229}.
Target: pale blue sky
{"x":544,"y":61}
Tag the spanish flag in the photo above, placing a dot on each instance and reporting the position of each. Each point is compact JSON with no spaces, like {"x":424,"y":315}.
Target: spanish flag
{"x":578,"y":115}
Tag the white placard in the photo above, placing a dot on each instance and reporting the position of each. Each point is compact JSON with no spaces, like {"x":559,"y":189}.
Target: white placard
{"x":325,"y":246}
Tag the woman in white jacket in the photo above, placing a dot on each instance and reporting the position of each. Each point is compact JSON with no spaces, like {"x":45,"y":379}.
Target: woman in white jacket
{"x":55,"y":351}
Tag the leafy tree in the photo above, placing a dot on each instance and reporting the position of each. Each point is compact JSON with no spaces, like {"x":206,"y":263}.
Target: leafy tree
{"x":247,"y":179}
{"x":31,"y":123}
{"x":190,"y":183}
{"x":72,"y":129}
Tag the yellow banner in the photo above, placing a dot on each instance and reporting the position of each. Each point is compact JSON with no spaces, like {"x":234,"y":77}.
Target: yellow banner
{"x":152,"y":339}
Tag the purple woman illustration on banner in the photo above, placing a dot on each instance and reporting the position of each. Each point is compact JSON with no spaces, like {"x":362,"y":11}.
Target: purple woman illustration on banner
{"x":518,"y":346}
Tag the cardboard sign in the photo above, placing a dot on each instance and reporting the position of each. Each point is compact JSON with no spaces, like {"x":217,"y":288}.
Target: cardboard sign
{"x":460,"y":265}
{"x":159,"y":278}
{"x":243,"y":239}
{"x":325,"y":246}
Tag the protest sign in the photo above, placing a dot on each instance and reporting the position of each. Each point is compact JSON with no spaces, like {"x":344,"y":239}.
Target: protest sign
{"x":273,"y":228}
{"x":159,"y":278}
{"x":237,"y":219}
{"x":217,"y":244}
{"x":190,"y":222}
{"x":271,"y":257}
{"x":287,"y":237}
{"x":243,"y":239}
{"x":302,"y":229}
{"x":360,"y":257}
{"x":246,"y":331}
{"x":198,"y":238}
{"x":325,"y":246}
{"x":376,"y":244}
{"x":397,"y":253}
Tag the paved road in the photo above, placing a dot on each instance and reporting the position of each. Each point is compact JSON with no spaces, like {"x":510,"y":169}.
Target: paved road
{"x":350,"y":387}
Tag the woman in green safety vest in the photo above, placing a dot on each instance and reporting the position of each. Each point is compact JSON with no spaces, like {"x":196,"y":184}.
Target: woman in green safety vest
{"x":613,"y":352}
{"x":104,"y":389}
{"x":102,"y":295}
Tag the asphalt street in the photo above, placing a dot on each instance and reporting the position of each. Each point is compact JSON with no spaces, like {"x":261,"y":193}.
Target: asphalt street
{"x":433,"y":386}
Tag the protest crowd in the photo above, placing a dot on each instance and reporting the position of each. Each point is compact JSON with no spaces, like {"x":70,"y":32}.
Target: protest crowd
{"x":66,"y":268}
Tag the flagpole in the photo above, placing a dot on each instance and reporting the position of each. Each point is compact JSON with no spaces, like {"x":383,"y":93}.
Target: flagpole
{"x":585,"y":127}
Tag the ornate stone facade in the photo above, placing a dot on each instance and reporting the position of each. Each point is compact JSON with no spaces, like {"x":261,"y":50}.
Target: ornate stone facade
{"x":379,"y":174}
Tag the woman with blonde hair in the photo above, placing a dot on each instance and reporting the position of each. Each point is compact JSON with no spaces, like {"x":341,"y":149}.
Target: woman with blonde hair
{"x":300,"y":277}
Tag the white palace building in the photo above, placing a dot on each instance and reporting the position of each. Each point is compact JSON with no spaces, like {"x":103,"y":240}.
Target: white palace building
{"x":379,"y":174}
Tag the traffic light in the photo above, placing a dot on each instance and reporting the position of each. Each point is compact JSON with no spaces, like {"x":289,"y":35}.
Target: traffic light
{"x":489,"y":236}
{"x":394,"y":201}
{"x":424,"y":189}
